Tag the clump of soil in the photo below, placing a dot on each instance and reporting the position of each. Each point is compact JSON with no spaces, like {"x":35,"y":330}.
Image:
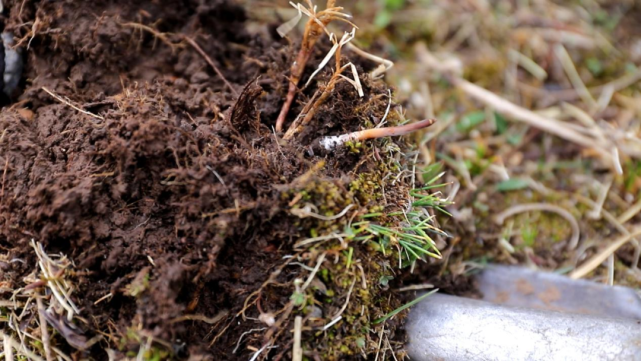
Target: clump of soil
{"x":178,"y":205}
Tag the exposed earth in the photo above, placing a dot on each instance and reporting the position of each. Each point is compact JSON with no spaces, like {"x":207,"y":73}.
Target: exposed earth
{"x":148,"y":209}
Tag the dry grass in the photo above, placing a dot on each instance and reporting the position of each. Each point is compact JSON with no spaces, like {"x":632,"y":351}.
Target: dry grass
{"x":41,"y":312}
{"x":315,"y":27}
{"x":538,"y":103}
{"x":533,"y":87}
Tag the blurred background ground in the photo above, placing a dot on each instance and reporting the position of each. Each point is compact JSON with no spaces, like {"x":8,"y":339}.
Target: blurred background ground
{"x":544,"y":168}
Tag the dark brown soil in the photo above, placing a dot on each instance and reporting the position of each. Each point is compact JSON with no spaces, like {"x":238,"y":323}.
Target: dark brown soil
{"x":173,"y":199}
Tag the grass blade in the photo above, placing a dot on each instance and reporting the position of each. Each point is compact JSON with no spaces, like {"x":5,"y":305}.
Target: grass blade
{"x":404,"y":307}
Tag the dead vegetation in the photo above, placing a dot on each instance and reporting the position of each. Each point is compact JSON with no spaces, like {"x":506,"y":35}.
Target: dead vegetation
{"x":315,"y":27}
{"x":537,"y":121}
{"x":41,"y":312}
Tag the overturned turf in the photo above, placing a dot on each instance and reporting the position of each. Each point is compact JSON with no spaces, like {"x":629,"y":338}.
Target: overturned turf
{"x":193,"y":229}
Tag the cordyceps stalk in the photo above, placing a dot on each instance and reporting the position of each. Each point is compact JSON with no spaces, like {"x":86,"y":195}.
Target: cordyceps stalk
{"x":315,"y":27}
{"x":332,"y":142}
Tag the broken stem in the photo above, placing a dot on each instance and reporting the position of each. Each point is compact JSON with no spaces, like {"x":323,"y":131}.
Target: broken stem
{"x":46,"y":341}
{"x":297,"y":71}
{"x":297,"y":352}
{"x":303,"y":119}
{"x":594,"y":262}
{"x":334,"y":141}
{"x":315,"y":27}
{"x":310,"y":109}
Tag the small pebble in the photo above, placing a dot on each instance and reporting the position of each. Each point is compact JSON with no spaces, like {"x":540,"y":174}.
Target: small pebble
{"x":12,"y":65}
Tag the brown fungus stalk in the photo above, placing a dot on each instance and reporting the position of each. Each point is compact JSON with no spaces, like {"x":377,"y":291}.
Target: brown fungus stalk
{"x":316,"y":25}
{"x":332,"y":142}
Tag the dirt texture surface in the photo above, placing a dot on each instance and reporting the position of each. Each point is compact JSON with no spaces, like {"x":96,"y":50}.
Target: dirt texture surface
{"x":170,"y":194}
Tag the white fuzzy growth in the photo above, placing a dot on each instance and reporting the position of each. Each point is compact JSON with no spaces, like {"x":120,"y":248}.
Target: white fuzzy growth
{"x":335,"y":141}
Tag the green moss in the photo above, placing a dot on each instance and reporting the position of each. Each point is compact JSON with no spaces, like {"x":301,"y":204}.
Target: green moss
{"x":367,"y":188}
{"x":364,"y":304}
{"x":357,"y":270}
{"x":354,"y":146}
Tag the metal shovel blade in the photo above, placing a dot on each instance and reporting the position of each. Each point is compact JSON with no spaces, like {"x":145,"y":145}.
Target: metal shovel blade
{"x":528,"y":315}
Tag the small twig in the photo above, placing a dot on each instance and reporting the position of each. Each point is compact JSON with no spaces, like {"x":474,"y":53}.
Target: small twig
{"x":595,"y":213}
{"x":211,"y":63}
{"x":587,"y":120}
{"x":389,"y":105}
{"x":220,"y":179}
{"x":512,"y":111}
{"x":598,"y":258}
{"x":571,"y":94}
{"x":8,"y":347}
{"x":576,"y":233}
{"x":297,"y":352}
{"x":277,"y":142}
{"x":573,"y":75}
{"x":616,"y":224}
{"x":307,"y":241}
{"x":389,"y":345}
{"x":61,"y":354}
{"x":424,"y":286}
{"x":108,"y":295}
{"x":319,"y":262}
{"x":58,"y":290}
{"x":380,"y":342}
{"x":46,"y":343}
{"x":630,"y":212}
{"x":68,"y":103}
{"x":10,"y":344}
{"x":516,"y":112}
{"x":528,"y":64}
{"x":610,"y":278}
{"x":384,"y":66}
{"x":257,"y":353}
{"x":157,"y":34}
{"x":315,"y":27}
{"x":332,"y":323}
{"x":349,"y":294}
{"x":240,"y":339}
{"x":4,"y":177}
{"x":203,"y":318}
{"x":307,"y":212}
